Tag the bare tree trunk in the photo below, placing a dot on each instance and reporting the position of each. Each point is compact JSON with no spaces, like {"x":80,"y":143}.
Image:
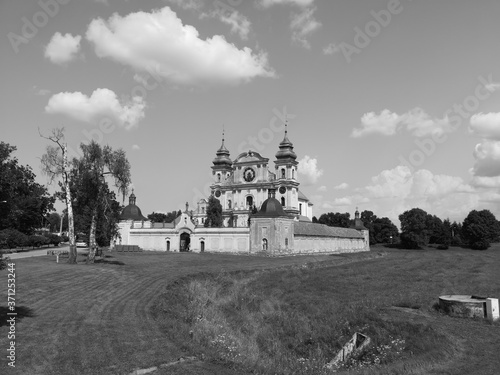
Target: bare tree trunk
{"x":69,"y":206}
{"x":93,"y":244}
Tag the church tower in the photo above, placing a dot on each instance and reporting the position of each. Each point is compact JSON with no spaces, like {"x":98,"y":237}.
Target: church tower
{"x":223,"y":166}
{"x":286,"y":176}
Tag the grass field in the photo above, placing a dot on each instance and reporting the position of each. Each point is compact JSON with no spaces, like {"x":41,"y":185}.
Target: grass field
{"x":133,"y":311}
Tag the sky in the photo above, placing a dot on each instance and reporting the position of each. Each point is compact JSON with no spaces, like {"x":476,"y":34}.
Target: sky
{"x":390,"y":105}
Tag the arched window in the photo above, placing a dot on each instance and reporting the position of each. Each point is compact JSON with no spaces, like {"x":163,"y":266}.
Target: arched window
{"x":282,"y":172}
{"x":249,"y":202}
{"x":293,"y":173}
{"x":283,"y":201}
{"x":264,"y":244}
{"x":229,"y":203}
{"x":218,"y":177}
{"x":168,"y":245}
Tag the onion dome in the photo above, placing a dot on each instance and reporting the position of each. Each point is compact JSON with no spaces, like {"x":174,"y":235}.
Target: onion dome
{"x":286,"y":148}
{"x":132,"y":212}
{"x":222,"y":155}
{"x":271,"y":207}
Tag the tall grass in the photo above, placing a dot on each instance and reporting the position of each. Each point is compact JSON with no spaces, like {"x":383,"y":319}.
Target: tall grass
{"x":289,"y":322}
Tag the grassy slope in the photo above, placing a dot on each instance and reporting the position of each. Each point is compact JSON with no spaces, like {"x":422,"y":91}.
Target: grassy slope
{"x":95,"y":319}
{"x":271,"y":321}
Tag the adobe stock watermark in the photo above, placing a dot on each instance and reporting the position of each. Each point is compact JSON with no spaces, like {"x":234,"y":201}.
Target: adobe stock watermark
{"x":30,"y":26}
{"x":455,"y":115}
{"x":372,"y":29}
{"x":264,"y":136}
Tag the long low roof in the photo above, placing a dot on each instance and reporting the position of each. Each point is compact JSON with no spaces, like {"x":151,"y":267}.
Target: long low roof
{"x":301,"y":228}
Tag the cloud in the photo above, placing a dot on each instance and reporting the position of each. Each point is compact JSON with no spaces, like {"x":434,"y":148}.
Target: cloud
{"x":416,"y":121}
{"x":342,"y":186}
{"x":303,"y":24}
{"x":158,"y":42}
{"x":40,"y":92}
{"x":322,"y":188}
{"x":136,"y":147}
{"x":486,"y":182}
{"x":62,"y":48}
{"x":308,"y":167}
{"x":239,"y":24}
{"x":331,"y":49}
{"x":487,"y":155}
{"x":300,"y":3}
{"x":486,"y":125}
{"x":103,"y":103}
{"x":187,"y":4}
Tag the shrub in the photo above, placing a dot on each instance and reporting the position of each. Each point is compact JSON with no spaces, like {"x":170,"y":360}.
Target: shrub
{"x":13,"y":238}
{"x":480,"y":245}
{"x":443,"y":247}
{"x":65,"y":238}
{"x":37,"y":241}
{"x":54,"y":239}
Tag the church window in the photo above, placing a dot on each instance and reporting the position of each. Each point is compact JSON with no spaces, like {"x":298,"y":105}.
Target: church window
{"x":249,"y":202}
{"x":300,"y":208}
{"x":168,"y":245}
{"x":283,"y":201}
{"x":218,"y":177}
{"x":229,"y":204}
{"x":203,"y":209}
{"x":293,"y":173}
{"x":283,"y":173}
{"x":264,"y":244}
{"x":286,"y":243}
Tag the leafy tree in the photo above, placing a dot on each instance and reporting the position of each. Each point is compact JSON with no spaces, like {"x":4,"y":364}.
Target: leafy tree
{"x":23,"y":202}
{"x":55,"y":165}
{"x":214,"y":213}
{"x":384,"y":231}
{"x":314,"y":219}
{"x":480,"y":229}
{"x":456,"y":234}
{"x":335,"y":219}
{"x":158,"y":217}
{"x":93,"y":196}
{"x":54,"y":220}
{"x":414,"y":233}
{"x":435,"y":230}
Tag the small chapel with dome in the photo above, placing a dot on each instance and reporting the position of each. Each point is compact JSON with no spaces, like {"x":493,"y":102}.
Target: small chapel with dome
{"x":263,"y":211}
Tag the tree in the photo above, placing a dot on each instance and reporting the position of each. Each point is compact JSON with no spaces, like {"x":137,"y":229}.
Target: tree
{"x":55,"y":165}
{"x":435,"y":230}
{"x":384,"y":231}
{"x":335,"y":219}
{"x":456,"y":234}
{"x":54,"y":220}
{"x":89,"y":173}
{"x":414,"y":232}
{"x":480,"y":229}
{"x":158,"y":217}
{"x":23,"y":202}
{"x":214,"y":213}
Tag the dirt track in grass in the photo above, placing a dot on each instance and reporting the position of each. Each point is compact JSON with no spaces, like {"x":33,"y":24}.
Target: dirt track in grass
{"x":95,"y":319}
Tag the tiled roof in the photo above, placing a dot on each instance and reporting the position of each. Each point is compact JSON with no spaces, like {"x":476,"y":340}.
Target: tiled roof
{"x":320,"y":230}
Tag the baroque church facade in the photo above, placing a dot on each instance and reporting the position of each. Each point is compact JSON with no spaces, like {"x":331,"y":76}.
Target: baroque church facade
{"x":263,"y":212}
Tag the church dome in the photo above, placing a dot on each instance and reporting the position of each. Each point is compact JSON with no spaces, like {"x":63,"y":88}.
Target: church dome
{"x":132,"y":212}
{"x":271,"y":207}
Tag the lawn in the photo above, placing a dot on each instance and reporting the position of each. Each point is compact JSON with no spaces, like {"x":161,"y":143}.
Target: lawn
{"x":135,"y":311}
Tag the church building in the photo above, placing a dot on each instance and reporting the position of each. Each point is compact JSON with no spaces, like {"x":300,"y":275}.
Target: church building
{"x":263,"y":211}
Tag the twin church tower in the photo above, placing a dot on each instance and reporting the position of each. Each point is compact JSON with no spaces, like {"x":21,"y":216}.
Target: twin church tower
{"x":243,"y":185}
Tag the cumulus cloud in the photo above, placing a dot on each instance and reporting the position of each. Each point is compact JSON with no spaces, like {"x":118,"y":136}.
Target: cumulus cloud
{"x":486,"y":182}
{"x":103,"y":103}
{"x":239,"y":23}
{"x":136,"y":147}
{"x":486,"y":125}
{"x":416,"y":121}
{"x":342,"y":186}
{"x":308,"y":167}
{"x":158,"y":42}
{"x":40,"y":92}
{"x":62,"y":48}
{"x":322,"y":188}
{"x":487,"y":155}
{"x":303,"y":24}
